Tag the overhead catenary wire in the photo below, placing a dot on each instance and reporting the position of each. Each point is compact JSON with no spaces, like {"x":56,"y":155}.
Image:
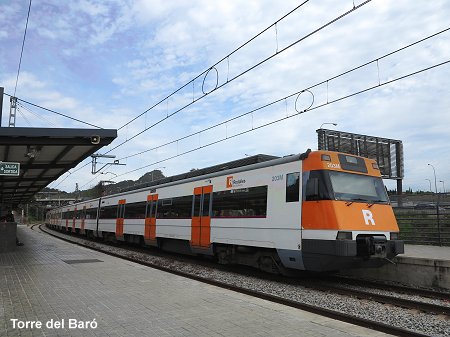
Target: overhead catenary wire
{"x":280,"y":100}
{"x":95,"y":177}
{"x":235,"y":77}
{"x":62,"y":180}
{"x":287,"y":117}
{"x":298,"y":93}
{"x":21,"y":51}
{"x":215,"y":64}
{"x":55,"y":112}
{"x":24,"y":117}
{"x":35,"y":114}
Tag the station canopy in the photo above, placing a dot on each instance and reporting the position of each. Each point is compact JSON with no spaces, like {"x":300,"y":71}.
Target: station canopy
{"x":44,"y":154}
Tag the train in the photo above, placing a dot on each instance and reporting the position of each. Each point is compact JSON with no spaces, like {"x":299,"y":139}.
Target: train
{"x":318,"y":211}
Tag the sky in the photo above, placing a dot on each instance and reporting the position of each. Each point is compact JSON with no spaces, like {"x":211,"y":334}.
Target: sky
{"x":106,"y":62}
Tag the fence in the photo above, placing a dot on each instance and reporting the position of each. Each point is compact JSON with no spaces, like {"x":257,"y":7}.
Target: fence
{"x":424,"y":227}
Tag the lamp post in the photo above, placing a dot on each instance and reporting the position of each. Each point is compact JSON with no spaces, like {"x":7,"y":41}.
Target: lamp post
{"x":435,"y":181}
{"x":335,"y":124}
{"x":430,"y":184}
{"x":443,"y":185}
{"x":437,"y":205}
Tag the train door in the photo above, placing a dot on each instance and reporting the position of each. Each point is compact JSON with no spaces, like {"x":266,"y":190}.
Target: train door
{"x":201,"y":217}
{"x":67,"y":219}
{"x":120,"y":218}
{"x":74,"y":219}
{"x":83,"y":218}
{"x":150,"y":219}
{"x":97,"y":219}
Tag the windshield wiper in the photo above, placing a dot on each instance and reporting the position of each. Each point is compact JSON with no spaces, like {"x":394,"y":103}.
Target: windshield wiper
{"x":369,"y":203}
{"x":351,"y":201}
{"x":357,"y":199}
{"x":372,"y":202}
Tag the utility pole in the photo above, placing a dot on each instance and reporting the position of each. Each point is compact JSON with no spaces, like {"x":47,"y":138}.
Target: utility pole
{"x":12,"y":112}
{"x":437,"y":205}
{"x":2,"y":91}
{"x":77,"y":192}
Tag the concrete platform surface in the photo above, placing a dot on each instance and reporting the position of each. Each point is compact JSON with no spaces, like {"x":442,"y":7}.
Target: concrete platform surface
{"x":427,"y":252}
{"x":420,"y":266}
{"x":50,"y":281}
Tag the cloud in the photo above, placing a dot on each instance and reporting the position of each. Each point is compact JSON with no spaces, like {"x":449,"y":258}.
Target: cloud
{"x":108,"y":62}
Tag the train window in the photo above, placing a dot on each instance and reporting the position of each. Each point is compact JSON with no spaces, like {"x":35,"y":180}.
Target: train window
{"x":135,"y":210}
{"x":206,"y":204}
{"x":166,"y":202}
{"x":316,"y":186}
{"x":196,"y":208}
{"x":108,"y":212}
{"x":69,"y":215}
{"x":243,"y":202}
{"x":91,"y":213}
{"x":121,"y":211}
{"x":175,"y":208}
{"x":347,"y":186}
{"x":352,"y":163}
{"x":293,"y":187}
{"x":150,"y":209}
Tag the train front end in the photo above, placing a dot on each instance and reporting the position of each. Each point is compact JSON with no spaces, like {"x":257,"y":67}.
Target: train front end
{"x":347,"y":219}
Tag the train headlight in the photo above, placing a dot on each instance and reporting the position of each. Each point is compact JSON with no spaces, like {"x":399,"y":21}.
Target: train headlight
{"x":394,"y":235}
{"x":344,"y":235}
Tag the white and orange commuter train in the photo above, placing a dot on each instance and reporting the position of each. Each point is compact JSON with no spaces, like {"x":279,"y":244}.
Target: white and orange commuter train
{"x":318,"y":211}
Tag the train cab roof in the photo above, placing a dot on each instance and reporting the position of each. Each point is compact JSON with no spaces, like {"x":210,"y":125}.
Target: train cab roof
{"x":339,"y":161}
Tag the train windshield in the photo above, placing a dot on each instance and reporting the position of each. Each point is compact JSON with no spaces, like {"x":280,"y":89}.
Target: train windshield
{"x":355,"y":187}
{"x":334,"y":185}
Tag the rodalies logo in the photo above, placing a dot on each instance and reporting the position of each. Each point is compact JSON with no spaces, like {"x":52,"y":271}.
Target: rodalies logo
{"x":229,"y":181}
{"x":234,"y":183}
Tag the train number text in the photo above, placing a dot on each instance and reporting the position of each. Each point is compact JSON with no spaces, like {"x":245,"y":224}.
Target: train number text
{"x":277,"y":177}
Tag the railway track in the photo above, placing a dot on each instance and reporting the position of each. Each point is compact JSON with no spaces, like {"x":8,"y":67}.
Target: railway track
{"x":387,"y":299}
{"x":444,"y":297}
{"x":394,"y":287}
{"x":325,"y":287}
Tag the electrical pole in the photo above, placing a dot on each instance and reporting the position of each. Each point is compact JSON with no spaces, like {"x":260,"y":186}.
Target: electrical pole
{"x":12,"y":112}
{"x":2,"y":91}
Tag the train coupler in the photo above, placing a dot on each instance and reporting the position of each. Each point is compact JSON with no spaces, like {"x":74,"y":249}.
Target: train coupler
{"x":371,"y":246}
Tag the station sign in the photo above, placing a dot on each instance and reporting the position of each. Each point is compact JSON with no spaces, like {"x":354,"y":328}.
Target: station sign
{"x":9,"y":169}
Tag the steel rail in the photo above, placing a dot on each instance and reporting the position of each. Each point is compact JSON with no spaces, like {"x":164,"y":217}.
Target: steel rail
{"x":433,"y":294}
{"x":386,"y":299}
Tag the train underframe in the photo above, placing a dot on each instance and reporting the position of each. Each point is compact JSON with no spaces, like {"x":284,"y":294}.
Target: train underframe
{"x":315,"y":255}
{"x":366,"y":251}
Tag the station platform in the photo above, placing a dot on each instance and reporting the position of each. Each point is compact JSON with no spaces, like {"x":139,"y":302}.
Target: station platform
{"x":53,"y":282}
{"x":420,"y":266}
